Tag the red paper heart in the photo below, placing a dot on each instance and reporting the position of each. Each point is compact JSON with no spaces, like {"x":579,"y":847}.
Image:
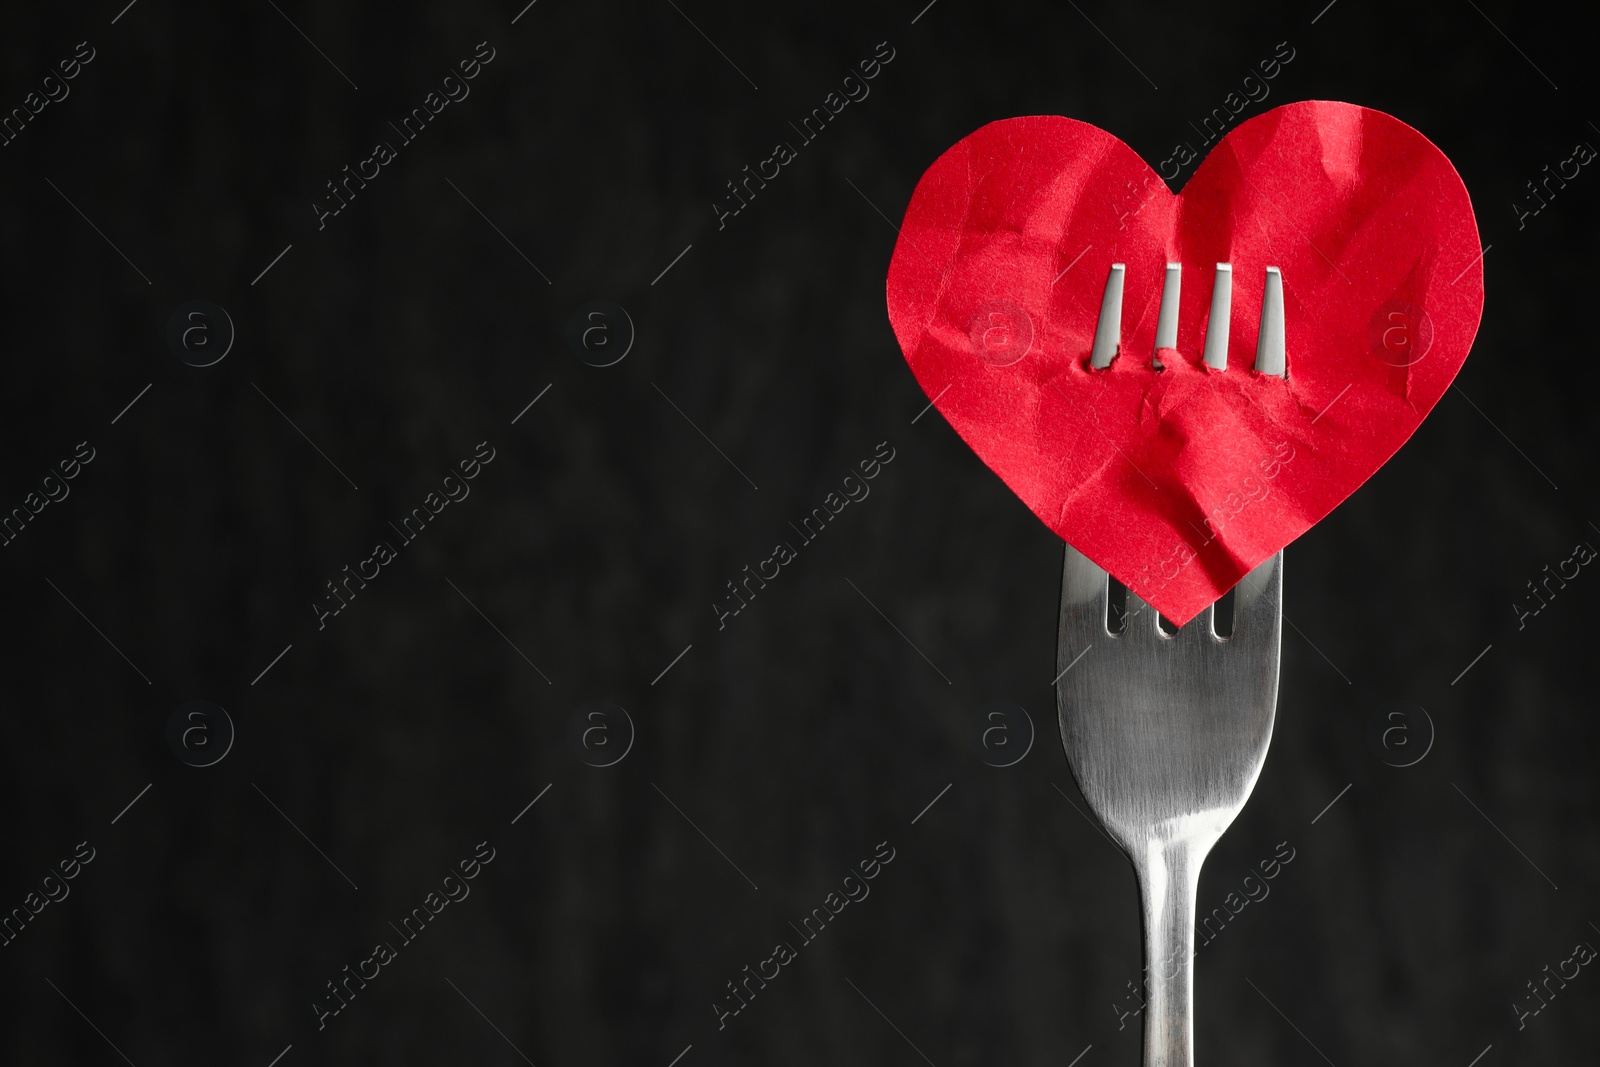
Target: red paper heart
{"x":1179,"y":481}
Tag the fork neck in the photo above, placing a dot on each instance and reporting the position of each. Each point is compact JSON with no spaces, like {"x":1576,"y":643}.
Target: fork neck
{"x":1169,"y":877}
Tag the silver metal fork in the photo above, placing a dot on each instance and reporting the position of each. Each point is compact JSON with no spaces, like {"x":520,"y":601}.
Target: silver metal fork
{"x":1166,"y":735}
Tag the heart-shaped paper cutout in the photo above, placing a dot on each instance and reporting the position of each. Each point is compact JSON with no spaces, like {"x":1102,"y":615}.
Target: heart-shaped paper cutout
{"x":1178,"y":481}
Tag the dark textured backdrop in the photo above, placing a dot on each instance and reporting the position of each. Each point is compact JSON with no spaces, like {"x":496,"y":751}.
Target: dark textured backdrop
{"x":187,"y":157}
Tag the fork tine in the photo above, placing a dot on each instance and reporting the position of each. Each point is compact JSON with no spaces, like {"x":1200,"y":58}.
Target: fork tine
{"x":1139,"y":619}
{"x":1108,"y":331}
{"x":1083,"y":585}
{"x":1258,"y":602}
{"x":1216,"y":347}
{"x":1270,"y":357}
{"x":1167,"y":317}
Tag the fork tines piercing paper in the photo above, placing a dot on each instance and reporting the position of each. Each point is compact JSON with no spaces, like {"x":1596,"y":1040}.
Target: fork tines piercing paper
{"x":1037,"y":248}
{"x":1270,"y":354}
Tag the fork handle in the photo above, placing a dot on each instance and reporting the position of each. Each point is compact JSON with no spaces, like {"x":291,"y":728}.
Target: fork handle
{"x":1169,"y":876}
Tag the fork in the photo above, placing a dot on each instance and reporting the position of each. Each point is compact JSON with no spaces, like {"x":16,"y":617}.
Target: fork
{"x":1166,"y":734}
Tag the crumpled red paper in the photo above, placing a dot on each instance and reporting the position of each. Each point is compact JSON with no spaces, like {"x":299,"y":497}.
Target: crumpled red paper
{"x":1179,"y":481}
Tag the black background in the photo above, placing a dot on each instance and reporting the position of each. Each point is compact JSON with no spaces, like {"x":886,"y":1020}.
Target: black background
{"x":808,"y":730}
